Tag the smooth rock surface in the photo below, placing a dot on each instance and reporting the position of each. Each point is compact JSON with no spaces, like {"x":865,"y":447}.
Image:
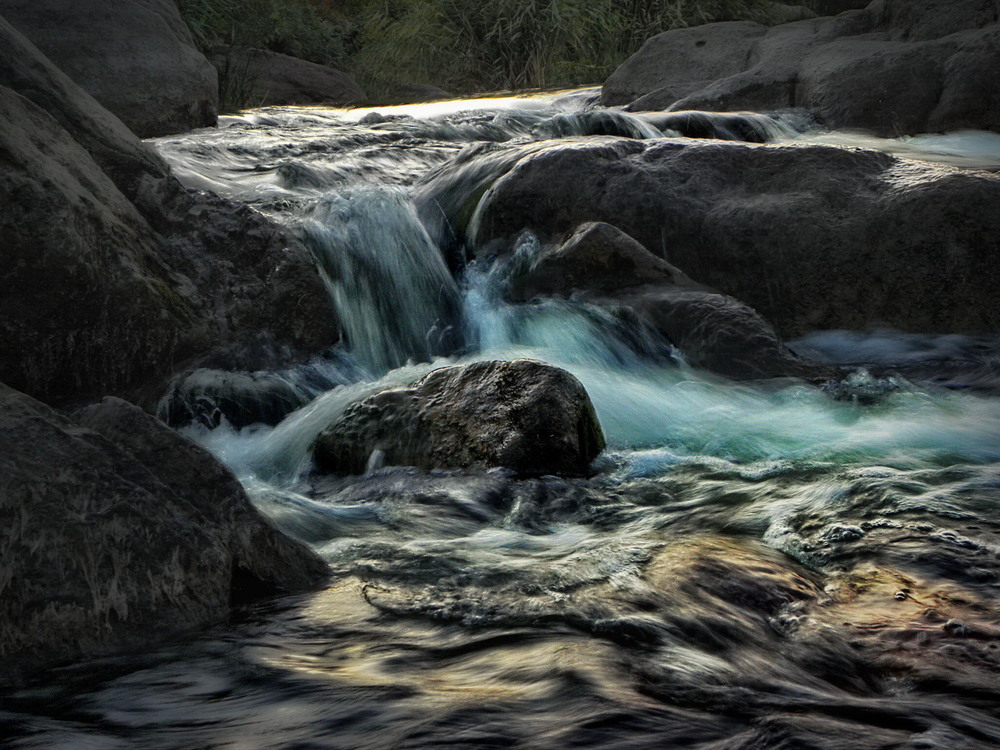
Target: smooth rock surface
{"x":136,"y":57}
{"x":896,"y":67}
{"x":684,"y":59}
{"x":596,"y":257}
{"x":118,"y":151}
{"x":117,"y":532}
{"x":280,"y":79}
{"x":809,"y":236}
{"x":602,"y":265}
{"x":527,"y":416}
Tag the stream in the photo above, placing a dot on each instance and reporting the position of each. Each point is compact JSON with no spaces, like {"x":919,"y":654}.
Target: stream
{"x":753,"y":564}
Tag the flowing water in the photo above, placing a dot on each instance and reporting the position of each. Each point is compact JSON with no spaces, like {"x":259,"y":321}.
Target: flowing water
{"x":768,"y":565}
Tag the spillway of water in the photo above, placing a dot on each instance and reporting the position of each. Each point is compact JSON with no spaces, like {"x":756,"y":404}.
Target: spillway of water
{"x":753,"y":566}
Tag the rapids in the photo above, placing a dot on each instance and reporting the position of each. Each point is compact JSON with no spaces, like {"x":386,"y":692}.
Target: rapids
{"x":766,"y":565}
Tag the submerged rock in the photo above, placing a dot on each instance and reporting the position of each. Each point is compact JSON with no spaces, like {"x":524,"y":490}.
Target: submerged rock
{"x":117,"y":532}
{"x":137,"y":59}
{"x":522,"y":415}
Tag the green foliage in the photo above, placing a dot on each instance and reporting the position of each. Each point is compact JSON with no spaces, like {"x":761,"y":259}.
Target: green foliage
{"x":462,"y":45}
{"x":292,"y":27}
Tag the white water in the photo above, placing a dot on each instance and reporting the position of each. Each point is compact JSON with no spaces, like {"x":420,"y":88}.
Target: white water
{"x":755,"y":566}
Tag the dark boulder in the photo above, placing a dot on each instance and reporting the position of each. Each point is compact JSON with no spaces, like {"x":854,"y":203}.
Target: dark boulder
{"x":116,"y":532}
{"x":602,"y":265}
{"x":138,"y":59}
{"x":276,"y":79}
{"x":596,"y":257}
{"x":85,"y":305}
{"x":896,"y":67}
{"x":112,"y":275}
{"x":522,"y":415}
{"x":809,"y":236}
{"x":120,"y":154}
{"x":685,"y":59}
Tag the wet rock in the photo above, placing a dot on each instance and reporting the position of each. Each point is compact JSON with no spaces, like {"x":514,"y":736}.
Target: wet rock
{"x":280,"y":79}
{"x":595,"y":257}
{"x":137,"y":59}
{"x":727,"y":126}
{"x":895,"y":67}
{"x":523,"y":415}
{"x":808,"y":236}
{"x":117,"y":532}
{"x":602,"y":265}
{"x":720,"y":334}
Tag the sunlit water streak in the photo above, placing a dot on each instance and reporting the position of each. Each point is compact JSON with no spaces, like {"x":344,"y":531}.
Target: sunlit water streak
{"x":730,"y":577}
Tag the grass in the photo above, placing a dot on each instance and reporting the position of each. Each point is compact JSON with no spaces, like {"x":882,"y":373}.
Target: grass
{"x":464,"y":46}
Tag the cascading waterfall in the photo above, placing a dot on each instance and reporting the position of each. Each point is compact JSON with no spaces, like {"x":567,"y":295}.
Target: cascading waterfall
{"x":694,"y":593}
{"x":396,"y":299}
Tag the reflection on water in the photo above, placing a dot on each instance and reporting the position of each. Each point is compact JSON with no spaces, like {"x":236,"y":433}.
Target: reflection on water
{"x":767,"y":565}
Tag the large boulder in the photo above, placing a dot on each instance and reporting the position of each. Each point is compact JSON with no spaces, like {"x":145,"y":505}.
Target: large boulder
{"x":602,"y":265}
{"x":685,"y":59}
{"x":809,"y":236}
{"x":115,"y":532}
{"x":112,"y":275}
{"x":85,"y":305}
{"x":115,"y":148}
{"x":522,"y":415}
{"x":276,"y":79}
{"x":896,"y":67}
{"x":135,"y":57}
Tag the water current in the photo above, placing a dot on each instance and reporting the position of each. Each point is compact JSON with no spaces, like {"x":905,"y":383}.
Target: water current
{"x":754,"y":565}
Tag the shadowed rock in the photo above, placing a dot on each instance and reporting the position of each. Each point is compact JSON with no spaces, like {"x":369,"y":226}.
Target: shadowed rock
{"x":896,"y":67}
{"x":522,"y":415}
{"x":117,"y":532}
{"x":275,"y":79}
{"x":809,"y":236}
{"x":113,"y":276}
{"x":602,"y":265}
{"x":138,"y":59}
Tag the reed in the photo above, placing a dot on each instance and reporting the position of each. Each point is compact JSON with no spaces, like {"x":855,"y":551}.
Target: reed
{"x":462,"y":45}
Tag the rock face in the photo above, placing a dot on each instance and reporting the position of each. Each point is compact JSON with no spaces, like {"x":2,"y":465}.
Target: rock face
{"x":602,"y":265}
{"x":112,"y":275}
{"x":116,"y":532}
{"x":522,"y":415}
{"x":686,"y":60}
{"x":137,"y":58}
{"x":596,"y":257}
{"x":895,"y":67}
{"x":279,"y":79}
{"x":809,"y":236}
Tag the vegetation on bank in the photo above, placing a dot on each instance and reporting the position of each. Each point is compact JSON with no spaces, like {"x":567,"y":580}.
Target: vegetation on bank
{"x":460,"y":45}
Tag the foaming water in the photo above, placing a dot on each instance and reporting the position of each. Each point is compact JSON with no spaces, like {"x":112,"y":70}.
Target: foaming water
{"x":976,"y":149}
{"x":752,"y":566}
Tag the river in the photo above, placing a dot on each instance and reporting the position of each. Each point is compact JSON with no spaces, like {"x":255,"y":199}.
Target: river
{"x":753,"y":565}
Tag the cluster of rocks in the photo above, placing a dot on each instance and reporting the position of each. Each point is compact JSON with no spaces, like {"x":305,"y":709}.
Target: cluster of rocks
{"x":113,"y":277}
{"x":893,"y":67}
